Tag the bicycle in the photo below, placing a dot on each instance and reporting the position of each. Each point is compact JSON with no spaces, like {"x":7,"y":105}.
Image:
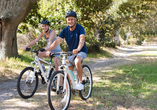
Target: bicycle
{"x":59,"y":85}
{"x":27,"y":82}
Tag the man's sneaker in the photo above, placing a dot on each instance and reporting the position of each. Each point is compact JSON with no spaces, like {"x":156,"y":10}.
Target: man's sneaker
{"x":64,"y":99}
{"x":79,"y":87}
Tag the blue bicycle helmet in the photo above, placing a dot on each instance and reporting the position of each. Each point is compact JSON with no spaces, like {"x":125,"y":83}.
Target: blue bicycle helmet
{"x":45,"y":21}
{"x":71,"y":13}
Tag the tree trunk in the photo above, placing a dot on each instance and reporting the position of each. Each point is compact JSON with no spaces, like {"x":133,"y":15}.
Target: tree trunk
{"x":8,"y":44}
{"x":12,"y":13}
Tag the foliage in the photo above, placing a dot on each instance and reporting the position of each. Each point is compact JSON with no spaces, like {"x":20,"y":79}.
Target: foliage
{"x":108,"y":42}
{"x":90,"y":11}
{"x":137,"y":16}
{"x":106,"y":16}
{"x":122,"y":33}
{"x":93,"y":45}
{"x":31,"y":20}
{"x":64,"y":46}
{"x":39,"y":45}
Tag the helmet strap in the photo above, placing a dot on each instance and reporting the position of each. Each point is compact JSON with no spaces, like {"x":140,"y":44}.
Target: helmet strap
{"x":72,"y":25}
{"x":47,"y":30}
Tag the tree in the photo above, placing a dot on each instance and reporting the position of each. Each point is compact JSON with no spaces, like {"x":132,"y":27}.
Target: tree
{"x":129,"y":14}
{"x":12,"y":13}
{"x":135,"y":15}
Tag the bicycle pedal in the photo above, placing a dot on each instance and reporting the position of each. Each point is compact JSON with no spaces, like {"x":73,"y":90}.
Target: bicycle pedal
{"x":39,"y":72}
{"x":53,"y":89}
{"x":73,"y":92}
{"x":43,"y":81}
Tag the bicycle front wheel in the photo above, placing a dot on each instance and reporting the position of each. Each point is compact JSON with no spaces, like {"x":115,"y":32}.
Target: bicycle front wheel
{"x":26,"y":84}
{"x":87,"y":82}
{"x":58,"y":99}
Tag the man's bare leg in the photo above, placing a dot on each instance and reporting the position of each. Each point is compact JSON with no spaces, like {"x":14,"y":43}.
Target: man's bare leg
{"x":78,"y":65}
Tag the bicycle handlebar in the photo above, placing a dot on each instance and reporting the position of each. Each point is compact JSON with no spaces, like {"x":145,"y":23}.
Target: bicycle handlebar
{"x":29,"y":49}
{"x":61,"y":53}
{"x":51,"y":54}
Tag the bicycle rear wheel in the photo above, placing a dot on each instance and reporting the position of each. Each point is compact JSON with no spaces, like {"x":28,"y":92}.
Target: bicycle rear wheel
{"x":26,"y":89}
{"x":87,"y":82}
{"x":58,"y":100}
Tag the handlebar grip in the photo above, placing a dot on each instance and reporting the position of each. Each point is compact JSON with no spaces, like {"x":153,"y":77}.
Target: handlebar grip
{"x":42,"y":50}
{"x":28,"y":49}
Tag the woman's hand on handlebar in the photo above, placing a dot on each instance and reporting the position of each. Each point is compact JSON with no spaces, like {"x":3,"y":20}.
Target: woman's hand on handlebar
{"x":25,"y":48}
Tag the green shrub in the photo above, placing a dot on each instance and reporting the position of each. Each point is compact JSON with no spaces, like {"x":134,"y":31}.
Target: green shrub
{"x":110,"y":44}
{"x":39,"y":45}
{"x":64,"y":46}
{"x":92,"y":44}
{"x":139,"y":42}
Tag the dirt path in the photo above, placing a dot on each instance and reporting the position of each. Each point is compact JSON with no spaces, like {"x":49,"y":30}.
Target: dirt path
{"x":8,"y":89}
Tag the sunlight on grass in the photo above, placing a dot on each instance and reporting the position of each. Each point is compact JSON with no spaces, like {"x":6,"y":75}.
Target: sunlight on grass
{"x":128,"y":84}
{"x":10,"y":103}
{"x":147,"y":54}
{"x":102,"y":54}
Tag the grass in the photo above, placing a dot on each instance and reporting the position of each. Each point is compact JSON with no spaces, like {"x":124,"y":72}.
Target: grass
{"x":102,"y":54}
{"x":152,"y":53}
{"x":11,"y":67}
{"x":145,"y":55}
{"x":131,"y":86}
{"x":128,"y":86}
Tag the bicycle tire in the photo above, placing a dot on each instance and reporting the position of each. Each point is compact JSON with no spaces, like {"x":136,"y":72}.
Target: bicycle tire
{"x":55,"y":97}
{"x":51,"y":72}
{"x":87,"y":81}
{"x":24,"y":88}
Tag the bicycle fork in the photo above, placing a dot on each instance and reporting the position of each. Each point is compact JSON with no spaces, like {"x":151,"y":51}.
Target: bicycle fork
{"x":33,"y":73}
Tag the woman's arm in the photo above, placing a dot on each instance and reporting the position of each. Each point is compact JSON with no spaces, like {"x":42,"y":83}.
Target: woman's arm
{"x":53,"y":35}
{"x":34,"y":41}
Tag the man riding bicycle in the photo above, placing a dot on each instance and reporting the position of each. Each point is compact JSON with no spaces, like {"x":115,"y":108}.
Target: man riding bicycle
{"x":74,"y":35}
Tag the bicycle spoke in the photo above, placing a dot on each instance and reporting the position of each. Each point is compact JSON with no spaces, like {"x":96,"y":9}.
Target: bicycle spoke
{"x":87,"y":82}
{"x":58,"y":98}
{"x":26,"y":89}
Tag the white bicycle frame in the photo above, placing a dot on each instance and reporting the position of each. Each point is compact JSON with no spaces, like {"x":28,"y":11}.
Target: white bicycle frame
{"x":37,"y":62}
{"x":66,"y":72}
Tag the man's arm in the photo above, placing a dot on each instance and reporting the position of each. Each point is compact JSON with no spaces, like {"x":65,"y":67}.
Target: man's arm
{"x":81,"y":44}
{"x":54,"y":44}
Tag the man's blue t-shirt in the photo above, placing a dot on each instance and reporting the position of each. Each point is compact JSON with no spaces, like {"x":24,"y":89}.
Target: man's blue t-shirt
{"x":72,"y":37}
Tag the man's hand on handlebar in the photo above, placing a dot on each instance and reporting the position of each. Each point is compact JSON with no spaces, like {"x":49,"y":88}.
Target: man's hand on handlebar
{"x":76,"y":51}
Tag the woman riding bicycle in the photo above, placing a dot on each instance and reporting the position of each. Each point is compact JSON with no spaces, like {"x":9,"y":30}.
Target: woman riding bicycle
{"x":50,"y":36}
